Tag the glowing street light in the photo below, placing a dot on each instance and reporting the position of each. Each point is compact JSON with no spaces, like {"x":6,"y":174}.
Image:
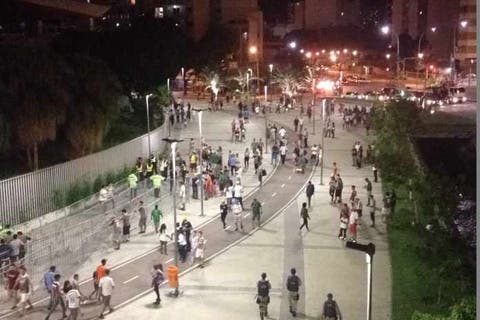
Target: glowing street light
{"x":385,"y":29}
{"x":308,"y":54}
{"x":333,"y":58}
{"x":317,"y":53}
{"x":292,"y":45}
{"x":433,"y":29}
{"x":302,"y":51}
{"x":420,"y":55}
{"x":323,"y":51}
{"x":464,"y":23}
{"x":345,"y":51}
{"x":270,"y":66}
{"x":388,"y":55}
{"x":253,"y":49}
{"x":355,"y":52}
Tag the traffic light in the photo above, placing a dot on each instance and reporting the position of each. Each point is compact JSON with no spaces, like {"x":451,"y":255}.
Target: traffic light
{"x":367,"y":248}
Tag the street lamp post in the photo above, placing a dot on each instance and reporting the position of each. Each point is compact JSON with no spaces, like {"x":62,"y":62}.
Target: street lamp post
{"x":386,"y":30}
{"x":369,"y":250}
{"x":463,"y":24}
{"x":254,"y":51}
{"x":322,"y":153}
{"x":173,"y":144}
{"x":148,"y":124}
{"x":200,"y":166}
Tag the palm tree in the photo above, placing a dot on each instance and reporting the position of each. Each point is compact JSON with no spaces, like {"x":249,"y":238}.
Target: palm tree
{"x":243,"y":80}
{"x":288,"y":81}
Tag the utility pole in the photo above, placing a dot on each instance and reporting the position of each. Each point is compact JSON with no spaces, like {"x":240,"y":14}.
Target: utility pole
{"x":200,"y":166}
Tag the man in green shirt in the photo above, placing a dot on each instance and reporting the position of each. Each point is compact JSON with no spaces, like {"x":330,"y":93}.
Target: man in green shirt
{"x":132,"y":183}
{"x":156,"y":216}
{"x":157,"y":183}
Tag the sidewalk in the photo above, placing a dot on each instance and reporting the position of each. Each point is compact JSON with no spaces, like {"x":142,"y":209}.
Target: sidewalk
{"x":226,"y":287}
{"x":216,"y":131}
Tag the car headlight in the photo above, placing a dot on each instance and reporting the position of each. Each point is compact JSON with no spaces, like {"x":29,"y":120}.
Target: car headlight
{"x":440,"y":103}
{"x":464,"y":99}
{"x":455,"y":99}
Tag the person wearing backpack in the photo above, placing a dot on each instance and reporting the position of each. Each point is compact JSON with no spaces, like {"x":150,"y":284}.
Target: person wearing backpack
{"x":293,"y":284}
{"x":330,"y":309}
{"x":263,"y":298}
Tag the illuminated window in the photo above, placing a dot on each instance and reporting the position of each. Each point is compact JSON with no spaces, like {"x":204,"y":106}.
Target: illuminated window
{"x":159,"y":12}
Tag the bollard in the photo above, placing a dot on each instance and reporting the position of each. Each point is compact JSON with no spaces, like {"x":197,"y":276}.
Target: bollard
{"x":172,"y":274}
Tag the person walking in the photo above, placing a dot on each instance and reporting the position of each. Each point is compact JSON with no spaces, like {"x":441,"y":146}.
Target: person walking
{"x":156,"y":215}
{"x":310,"y":190}
{"x":164,"y":237}
{"x":223,"y":213}
{"x":157,"y":279}
{"x":117,"y":232}
{"x":368,"y":187}
{"x":182,"y":194}
{"x":142,"y":221}
{"x":331,"y":188}
{"x":293,"y":285}
{"x":73,"y":298}
{"x":48,"y":279}
{"x":256,"y":212}
{"x":182,"y":245}
{"x":353,"y":195}
{"x":331,"y":311}
{"x":338,"y":190}
{"x":24,"y":286}
{"x":157,"y":184}
{"x":199,"y":253}
{"x":132,"y":183}
{"x":295,"y":123}
{"x":56,"y":298}
{"x":246,"y":159}
{"x":263,"y":297}
{"x":283,"y":153}
{"x":103,"y":197}
{"x":372,"y":204}
{"x":375,"y":173}
{"x":238,"y":193}
{"x":126,"y":225}
{"x":106,"y":286}
{"x":304,"y":215}
{"x":237,"y":214}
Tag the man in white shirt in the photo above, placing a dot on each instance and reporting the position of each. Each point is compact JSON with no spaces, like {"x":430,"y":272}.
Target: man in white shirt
{"x":314,"y":154}
{"x":103,"y":197}
{"x":282,"y":132}
{"x":73,"y":297}
{"x":237,"y":214}
{"x":106,"y":286}
{"x":238,"y":193}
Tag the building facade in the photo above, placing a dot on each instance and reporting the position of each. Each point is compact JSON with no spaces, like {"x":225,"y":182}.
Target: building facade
{"x":466,"y":52}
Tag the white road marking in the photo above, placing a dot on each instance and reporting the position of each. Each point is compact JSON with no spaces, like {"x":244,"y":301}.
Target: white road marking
{"x":274,"y":194}
{"x":246,"y":215}
{"x":283,"y":185}
{"x":228,"y":227}
{"x":289,"y":177}
{"x":262,"y":203}
{"x":129,"y":280}
{"x":169,"y":260}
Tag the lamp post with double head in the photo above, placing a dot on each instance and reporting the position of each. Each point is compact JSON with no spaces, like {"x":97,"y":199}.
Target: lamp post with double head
{"x":173,"y":145}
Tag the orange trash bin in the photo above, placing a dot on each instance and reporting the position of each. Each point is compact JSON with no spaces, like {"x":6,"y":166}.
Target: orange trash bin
{"x":172,"y":274}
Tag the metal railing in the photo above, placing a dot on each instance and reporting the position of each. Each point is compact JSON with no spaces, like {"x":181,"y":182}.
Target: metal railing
{"x":29,"y":196}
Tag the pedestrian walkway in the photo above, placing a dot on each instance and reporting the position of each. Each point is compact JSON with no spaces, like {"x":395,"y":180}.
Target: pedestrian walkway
{"x":226,"y":287}
{"x":215,"y":124}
